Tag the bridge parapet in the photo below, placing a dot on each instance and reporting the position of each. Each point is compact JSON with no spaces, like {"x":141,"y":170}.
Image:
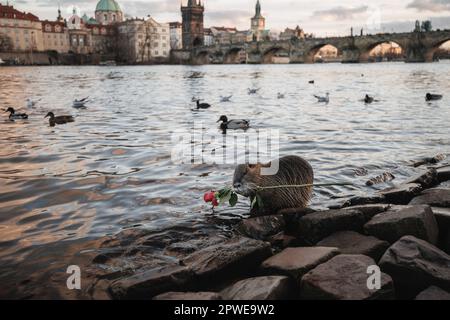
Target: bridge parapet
{"x":416,"y":46}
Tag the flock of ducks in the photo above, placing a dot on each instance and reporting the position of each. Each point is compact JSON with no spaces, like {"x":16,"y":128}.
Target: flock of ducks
{"x":52,"y":119}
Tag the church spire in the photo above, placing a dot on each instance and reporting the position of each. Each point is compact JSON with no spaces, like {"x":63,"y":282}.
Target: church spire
{"x":258,"y":9}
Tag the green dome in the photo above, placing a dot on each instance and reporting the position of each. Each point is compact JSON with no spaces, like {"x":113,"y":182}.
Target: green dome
{"x":108,"y":5}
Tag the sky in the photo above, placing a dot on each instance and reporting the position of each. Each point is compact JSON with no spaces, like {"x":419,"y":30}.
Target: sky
{"x":322,"y":18}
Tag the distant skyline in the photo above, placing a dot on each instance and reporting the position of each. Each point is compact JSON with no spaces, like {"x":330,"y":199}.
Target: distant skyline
{"x":323,"y":18}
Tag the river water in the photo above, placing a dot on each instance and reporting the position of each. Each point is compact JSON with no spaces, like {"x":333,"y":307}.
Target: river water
{"x":112,"y":169}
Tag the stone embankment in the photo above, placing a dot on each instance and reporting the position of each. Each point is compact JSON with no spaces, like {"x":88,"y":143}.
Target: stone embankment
{"x":404,"y":230}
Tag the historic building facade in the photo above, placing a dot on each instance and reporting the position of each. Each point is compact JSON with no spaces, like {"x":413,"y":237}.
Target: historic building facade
{"x":176,"y":35}
{"x":108,"y":12}
{"x":192,"y":25}
{"x":22,"y":31}
{"x":143,"y":40}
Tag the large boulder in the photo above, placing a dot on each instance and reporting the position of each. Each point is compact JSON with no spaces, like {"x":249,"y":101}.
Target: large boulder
{"x":261,"y":288}
{"x":235,"y":256}
{"x":295,"y":262}
{"x":314,"y":227}
{"x":433,"y":293}
{"x":350,"y":242}
{"x":145,"y":285}
{"x":261,"y":228}
{"x":344,"y":277}
{"x":189,"y":296}
{"x":418,"y":221}
{"x":426,"y":179}
{"x":437,"y":197}
{"x":415,"y":264}
{"x":401,"y":194}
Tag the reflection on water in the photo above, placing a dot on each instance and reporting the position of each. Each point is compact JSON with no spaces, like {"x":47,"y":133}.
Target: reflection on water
{"x":112,"y":168}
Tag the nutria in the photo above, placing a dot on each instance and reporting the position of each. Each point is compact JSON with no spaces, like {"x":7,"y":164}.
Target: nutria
{"x":292,"y":170}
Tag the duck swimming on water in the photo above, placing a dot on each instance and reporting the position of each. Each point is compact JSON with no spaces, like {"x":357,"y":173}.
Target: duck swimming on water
{"x":368,"y":99}
{"x":58,"y":120}
{"x":16,"y":116}
{"x":433,"y":97}
{"x":202,"y":105}
{"x":233,"y":124}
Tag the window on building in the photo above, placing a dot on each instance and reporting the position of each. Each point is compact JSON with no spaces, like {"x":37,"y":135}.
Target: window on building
{"x":105,"y":17}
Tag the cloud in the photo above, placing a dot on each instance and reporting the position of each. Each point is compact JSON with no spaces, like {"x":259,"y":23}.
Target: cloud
{"x":340,"y":13}
{"x":430,"y":5}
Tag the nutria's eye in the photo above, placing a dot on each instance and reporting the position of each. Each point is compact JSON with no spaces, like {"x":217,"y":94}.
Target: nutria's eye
{"x":252,"y":166}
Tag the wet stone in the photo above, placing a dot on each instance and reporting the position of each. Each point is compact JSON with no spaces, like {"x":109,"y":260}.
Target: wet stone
{"x":330,"y":280}
{"x":350,"y":242}
{"x":146,"y":284}
{"x":426,"y":179}
{"x":418,"y":221}
{"x":232,"y":257}
{"x":261,"y":228}
{"x":437,"y":197}
{"x":295,"y":262}
{"x":261,"y":288}
{"x":416,"y":264}
{"x":401,"y":194}
{"x":316,"y":226}
{"x":443,"y":173}
{"x":433,"y":293}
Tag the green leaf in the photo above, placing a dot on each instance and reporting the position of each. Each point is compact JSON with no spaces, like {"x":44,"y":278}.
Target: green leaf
{"x":253,"y":202}
{"x":225,"y":195}
{"x":233,"y":199}
{"x":259,"y":201}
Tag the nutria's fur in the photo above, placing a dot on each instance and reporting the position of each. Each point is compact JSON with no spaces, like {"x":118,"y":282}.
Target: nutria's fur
{"x":292,"y":170}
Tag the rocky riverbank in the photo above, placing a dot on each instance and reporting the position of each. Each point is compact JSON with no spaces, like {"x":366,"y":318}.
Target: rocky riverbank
{"x":405,"y":230}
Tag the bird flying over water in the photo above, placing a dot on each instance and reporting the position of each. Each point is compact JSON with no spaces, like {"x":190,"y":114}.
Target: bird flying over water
{"x":31,"y":103}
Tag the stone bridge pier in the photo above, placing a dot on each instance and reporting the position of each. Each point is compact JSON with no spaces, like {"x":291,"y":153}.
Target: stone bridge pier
{"x":416,"y":47}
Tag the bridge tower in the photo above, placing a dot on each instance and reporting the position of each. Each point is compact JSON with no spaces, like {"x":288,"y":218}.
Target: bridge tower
{"x":258,"y":23}
{"x":193,"y":33}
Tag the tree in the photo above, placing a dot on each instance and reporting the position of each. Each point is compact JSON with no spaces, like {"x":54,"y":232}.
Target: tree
{"x":6,"y":44}
{"x":426,"y":26}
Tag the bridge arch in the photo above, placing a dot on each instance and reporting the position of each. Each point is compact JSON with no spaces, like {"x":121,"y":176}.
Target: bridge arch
{"x":202,"y":57}
{"x":440,"y":49}
{"x":382,"y":50}
{"x":236,"y":55}
{"x":323,"y":52}
{"x":276,"y":54}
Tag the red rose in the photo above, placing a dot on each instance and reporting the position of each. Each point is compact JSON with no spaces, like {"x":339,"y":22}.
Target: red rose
{"x":215,"y":202}
{"x":209,"y":196}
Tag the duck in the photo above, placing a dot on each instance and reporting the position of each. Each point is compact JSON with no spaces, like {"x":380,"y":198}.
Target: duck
{"x":433,"y":97}
{"x":325,"y":99}
{"x":233,"y":124}
{"x":202,"y":105}
{"x":368,"y":99}
{"x":253,"y":91}
{"x":58,"y":120}
{"x":226,"y":98}
{"x":311,"y":82}
{"x":280,"y":95}
{"x":80,"y":103}
{"x":16,"y":116}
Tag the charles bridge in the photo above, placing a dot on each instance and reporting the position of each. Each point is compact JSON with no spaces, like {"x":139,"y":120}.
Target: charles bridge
{"x":416,"y":47}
